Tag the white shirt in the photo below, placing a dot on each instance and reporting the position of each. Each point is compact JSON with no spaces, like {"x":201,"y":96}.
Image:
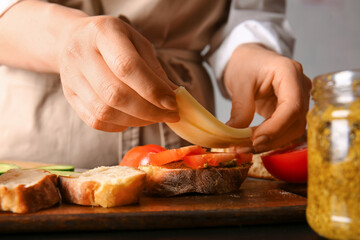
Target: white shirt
{"x":252,"y":22}
{"x":5,"y":5}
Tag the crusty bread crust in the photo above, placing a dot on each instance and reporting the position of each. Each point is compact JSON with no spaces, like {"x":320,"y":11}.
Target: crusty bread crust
{"x":175,"y":179}
{"x":23,"y":199}
{"x":257,"y":170}
{"x":94,"y":192}
{"x":73,"y":191}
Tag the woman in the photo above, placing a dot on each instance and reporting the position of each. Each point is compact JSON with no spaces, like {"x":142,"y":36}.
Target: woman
{"x":113,"y":66}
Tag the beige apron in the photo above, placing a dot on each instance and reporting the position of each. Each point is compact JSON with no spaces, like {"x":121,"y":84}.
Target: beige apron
{"x":37,"y":123}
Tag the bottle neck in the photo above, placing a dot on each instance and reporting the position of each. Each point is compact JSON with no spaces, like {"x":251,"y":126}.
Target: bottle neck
{"x":337,"y":89}
{"x":336,"y":97}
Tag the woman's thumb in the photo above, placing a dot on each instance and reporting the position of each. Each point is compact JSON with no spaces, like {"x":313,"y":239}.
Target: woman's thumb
{"x":242,"y":110}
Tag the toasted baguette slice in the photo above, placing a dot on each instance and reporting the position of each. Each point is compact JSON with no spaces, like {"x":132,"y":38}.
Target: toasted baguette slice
{"x":103,"y":186}
{"x":176,"y":178}
{"x":28,"y":190}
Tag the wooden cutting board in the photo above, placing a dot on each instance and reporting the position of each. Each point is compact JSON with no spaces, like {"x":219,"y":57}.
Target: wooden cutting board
{"x":258,"y":202}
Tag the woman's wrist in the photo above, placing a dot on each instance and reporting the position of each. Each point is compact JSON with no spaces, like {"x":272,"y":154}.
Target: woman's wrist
{"x":63,"y":21}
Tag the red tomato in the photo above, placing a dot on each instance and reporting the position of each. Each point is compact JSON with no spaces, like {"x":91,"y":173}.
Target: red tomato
{"x":214,"y":159}
{"x":140,"y":155}
{"x":289,"y":165}
{"x":173,"y":155}
{"x":244,"y":158}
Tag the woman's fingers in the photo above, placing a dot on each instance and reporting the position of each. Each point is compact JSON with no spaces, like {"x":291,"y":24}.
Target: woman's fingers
{"x":87,"y":116}
{"x":278,"y":88}
{"x":288,"y":121}
{"x":294,"y":131}
{"x":242,"y":110}
{"x":96,"y":109}
{"x":118,"y":95}
{"x":129,"y":67}
{"x":243,"y":102}
{"x":109,"y":80}
{"x":147,"y":52}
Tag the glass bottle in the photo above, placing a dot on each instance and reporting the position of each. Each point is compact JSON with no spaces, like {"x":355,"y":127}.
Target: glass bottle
{"x":333,"y":209}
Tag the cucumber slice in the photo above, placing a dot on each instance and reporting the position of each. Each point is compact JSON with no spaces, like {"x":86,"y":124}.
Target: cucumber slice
{"x":7,"y":166}
{"x":62,"y":173}
{"x":68,"y":168}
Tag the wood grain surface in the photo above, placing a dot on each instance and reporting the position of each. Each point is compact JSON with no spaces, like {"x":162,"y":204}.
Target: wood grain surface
{"x":258,"y":202}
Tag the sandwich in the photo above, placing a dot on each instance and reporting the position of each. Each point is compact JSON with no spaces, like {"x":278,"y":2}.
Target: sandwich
{"x":190,"y":169}
{"x":193,"y":169}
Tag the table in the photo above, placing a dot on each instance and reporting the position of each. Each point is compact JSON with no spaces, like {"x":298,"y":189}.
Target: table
{"x":298,"y":231}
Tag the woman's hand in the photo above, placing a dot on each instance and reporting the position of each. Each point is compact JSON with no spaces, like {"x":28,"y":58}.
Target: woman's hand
{"x":260,"y":80}
{"x":111,"y":77}
{"x":109,"y":72}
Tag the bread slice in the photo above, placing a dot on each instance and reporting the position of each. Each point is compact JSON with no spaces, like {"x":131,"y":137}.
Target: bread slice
{"x":103,"y":186}
{"x":257,"y":170}
{"x":176,"y":178}
{"x":27,"y":190}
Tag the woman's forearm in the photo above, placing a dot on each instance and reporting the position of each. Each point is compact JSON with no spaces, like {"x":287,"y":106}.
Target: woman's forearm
{"x":31,"y":34}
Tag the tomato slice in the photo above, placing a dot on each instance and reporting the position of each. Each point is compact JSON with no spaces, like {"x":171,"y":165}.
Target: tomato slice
{"x":173,"y":155}
{"x":194,"y":156}
{"x":215,"y":158}
{"x":288,"y":165}
{"x":243,"y":158}
{"x":140,"y":155}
